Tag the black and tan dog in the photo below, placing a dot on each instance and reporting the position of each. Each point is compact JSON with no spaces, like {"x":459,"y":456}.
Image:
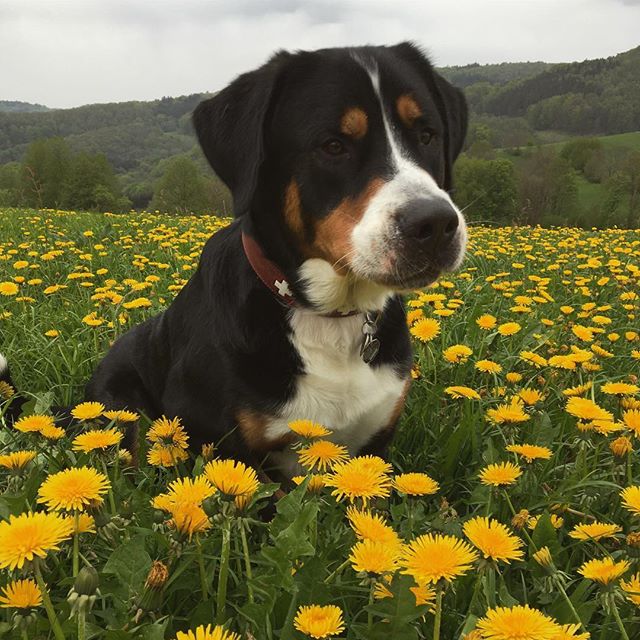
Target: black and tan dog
{"x":340,"y":164}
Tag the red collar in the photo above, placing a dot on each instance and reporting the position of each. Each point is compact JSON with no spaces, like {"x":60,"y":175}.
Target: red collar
{"x":274,"y":279}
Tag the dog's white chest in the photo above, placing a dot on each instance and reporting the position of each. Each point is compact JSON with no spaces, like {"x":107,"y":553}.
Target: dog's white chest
{"x":337,"y":388}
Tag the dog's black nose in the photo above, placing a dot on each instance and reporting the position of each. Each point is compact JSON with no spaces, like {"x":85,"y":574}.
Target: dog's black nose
{"x":430,"y":221}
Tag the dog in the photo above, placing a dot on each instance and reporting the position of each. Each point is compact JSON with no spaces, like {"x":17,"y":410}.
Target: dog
{"x":340,"y":166}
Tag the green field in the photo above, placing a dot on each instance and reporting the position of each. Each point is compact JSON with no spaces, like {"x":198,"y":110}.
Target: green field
{"x":527,"y":358}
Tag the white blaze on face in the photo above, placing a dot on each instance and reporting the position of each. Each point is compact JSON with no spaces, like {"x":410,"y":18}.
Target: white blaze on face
{"x":375,"y":236}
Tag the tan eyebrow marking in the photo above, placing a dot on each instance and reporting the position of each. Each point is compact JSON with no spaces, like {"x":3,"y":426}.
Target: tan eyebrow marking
{"x":354,"y":123}
{"x":408,"y":109}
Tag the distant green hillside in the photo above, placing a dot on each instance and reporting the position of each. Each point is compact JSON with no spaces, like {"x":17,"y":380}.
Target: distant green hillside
{"x":15,"y":106}
{"x":470,"y":74}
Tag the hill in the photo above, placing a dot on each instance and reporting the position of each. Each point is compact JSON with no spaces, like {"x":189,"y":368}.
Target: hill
{"x":15,"y":106}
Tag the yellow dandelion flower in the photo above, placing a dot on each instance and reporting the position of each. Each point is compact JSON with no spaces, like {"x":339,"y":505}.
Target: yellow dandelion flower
{"x":620,"y":388}
{"x":530,"y":396}
{"x":374,"y":557}
{"x":358,"y":478}
{"x":578,"y":390}
{"x":493,"y":539}
{"x":520,"y":622}
{"x":423,"y":594}
{"x":52,"y":333}
{"x":8,"y":288}
{"x":322,"y":454}
{"x":73,"y":489}
{"x":632,"y":588}
{"x":513,"y":377}
{"x":52,"y":432}
{"x":316,"y":484}
{"x":21,"y":594}
{"x":604,"y":571}
{"x":166,"y":456}
{"x":509,"y":328}
{"x":631,"y":420}
{"x":28,"y":535}
{"x":587,"y":409}
{"x":500,"y":475}
{"x":488,"y":366}
{"x":231,"y":478}
{"x":556,"y":521}
{"x":530,"y":452}
{"x":86,"y":523}
{"x":533,"y":358}
{"x":121,"y":415}
{"x":430,"y":558}
{"x":415,"y":484}
{"x":168,"y":432}
{"x":462,"y":392}
{"x":319,"y":622}
{"x":425,"y":329}
{"x":188,"y":518}
{"x":96,"y":439}
{"x":583,"y":333}
{"x":185,"y":490}
{"x":370,"y":526}
{"x":543,"y":557}
{"x":594,"y":531}
{"x":309,"y":429}
{"x":207,"y":633}
{"x":631,"y":499}
{"x":458,"y":353}
{"x":510,"y":413}
{"x":17,"y":460}
{"x":621,"y":446}
{"x":87,"y":410}
{"x":486,"y":321}
{"x":34,"y":423}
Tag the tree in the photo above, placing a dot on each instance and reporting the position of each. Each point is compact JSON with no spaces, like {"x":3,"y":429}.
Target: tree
{"x":181,"y":189}
{"x":45,"y":170}
{"x":486,"y":189}
{"x":580,"y":151}
{"x":548,"y":187}
{"x":625,"y":184}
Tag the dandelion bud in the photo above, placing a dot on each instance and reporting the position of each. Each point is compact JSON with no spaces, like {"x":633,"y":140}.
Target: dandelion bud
{"x":633,"y":539}
{"x":87,"y":581}
{"x":520,"y":520}
{"x":158,"y":576}
{"x":208,"y":451}
{"x":125,"y":458}
{"x":543,"y":557}
{"x":621,"y":446}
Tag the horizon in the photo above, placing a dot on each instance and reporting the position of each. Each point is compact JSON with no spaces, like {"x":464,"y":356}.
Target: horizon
{"x":99,"y":52}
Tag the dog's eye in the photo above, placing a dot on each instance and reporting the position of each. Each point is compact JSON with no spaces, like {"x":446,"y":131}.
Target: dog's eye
{"x":425,"y":136}
{"x":333,"y":147}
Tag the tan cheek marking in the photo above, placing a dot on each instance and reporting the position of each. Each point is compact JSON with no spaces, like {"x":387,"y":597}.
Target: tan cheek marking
{"x":408,"y":109}
{"x":253,"y":427}
{"x":354,"y":123}
{"x":292,"y":209}
{"x":333,"y":233}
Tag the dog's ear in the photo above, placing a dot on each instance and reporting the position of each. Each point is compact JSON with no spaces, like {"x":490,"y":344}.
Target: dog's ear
{"x":229,"y":127}
{"x":450,"y":101}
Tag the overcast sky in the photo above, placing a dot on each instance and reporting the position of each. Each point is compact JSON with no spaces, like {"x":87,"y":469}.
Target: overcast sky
{"x":67,"y":53}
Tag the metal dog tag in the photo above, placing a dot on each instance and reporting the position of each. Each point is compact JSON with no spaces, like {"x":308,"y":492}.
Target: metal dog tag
{"x":370,"y":345}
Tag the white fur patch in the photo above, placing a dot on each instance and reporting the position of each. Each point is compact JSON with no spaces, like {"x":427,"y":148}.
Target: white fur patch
{"x":3,"y":364}
{"x":337,"y":389}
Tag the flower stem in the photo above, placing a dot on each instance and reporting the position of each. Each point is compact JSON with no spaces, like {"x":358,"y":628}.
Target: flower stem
{"x":333,"y":574}
{"x":569,"y":603}
{"x":82,"y":624}
{"x":616,"y":615}
{"x":76,"y":543}
{"x":369,"y":612}
{"x":46,"y":600}
{"x":224,"y":571}
{"x":203,"y":574}
{"x":247,"y":561}
{"x":112,"y":502}
{"x":438,"y":618}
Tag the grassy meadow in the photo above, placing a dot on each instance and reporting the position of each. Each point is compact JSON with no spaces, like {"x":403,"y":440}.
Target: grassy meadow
{"x":510,"y":509}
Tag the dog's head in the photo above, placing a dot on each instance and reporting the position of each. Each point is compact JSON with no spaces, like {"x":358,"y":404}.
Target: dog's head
{"x":343,"y":160}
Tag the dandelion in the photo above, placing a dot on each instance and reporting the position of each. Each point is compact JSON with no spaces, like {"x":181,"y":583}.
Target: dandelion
{"x":533,"y":358}
{"x":8,"y":288}
{"x":168,"y":432}
{"x":500,"y":475}
{"x":322,"y":454}
{"x":604,"y":571}
{"x":486,"y":321}
{"x":530,"y":397}
{"x":207,"y":633}
{"x":34,"y":423}
{"x":185,"y":490}
{"x":493,"y":539}
{"x":21,"y":594}
{"x":316,"y":483}
{"x":371,"y":556}
{"x":458,"y":353}
{"x":517,"y":623}
{"x":594,"y":531}
{"x":631,"y":420}
{"x":369,"y":526}
{"x":425,"y":329}
{"x":509,"y":328}
{"x":358,"y":478}
{"x":462,"y":392}
{"x":121,"y":415}
{"x":87,"y":410}
{"x":415,"y":484}
{"x":488,"y":366}
{"x":621,"y":446}
{"x":188,"y":518}
{"x":309,"y":429}
{"x":97,"y":440}
{"x":166,"y":456}
{"x":430,"y":558}
{"x":632,"y":588}
{"x":30,"y":535}
{"x":530,"y":452}
{"x":17,"y":460}
{"x":231,"y":478}
{"x":587,"y":409}
{"x":511,"y":413}
{"x":578,"y":390}
{"x":74,"y":489}
{"x":631,"y":499}
{"x":319,"y":622}
{"x":543,"y":557}
{"x":620,"y":388}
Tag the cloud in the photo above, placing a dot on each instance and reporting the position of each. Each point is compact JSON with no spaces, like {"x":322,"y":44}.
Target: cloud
{"x":73,"y":52}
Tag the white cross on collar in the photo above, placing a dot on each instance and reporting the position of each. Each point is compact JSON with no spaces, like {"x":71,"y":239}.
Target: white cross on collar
{"x":283,"y":288}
